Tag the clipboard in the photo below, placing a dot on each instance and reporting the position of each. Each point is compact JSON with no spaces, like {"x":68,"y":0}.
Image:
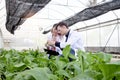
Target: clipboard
{"x":51,"y":52}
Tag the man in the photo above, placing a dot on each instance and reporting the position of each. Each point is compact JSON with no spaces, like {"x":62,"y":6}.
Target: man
{"x":73,"y":38}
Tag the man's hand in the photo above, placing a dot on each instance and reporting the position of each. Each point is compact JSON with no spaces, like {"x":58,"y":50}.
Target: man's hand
{"x":51,"y":42}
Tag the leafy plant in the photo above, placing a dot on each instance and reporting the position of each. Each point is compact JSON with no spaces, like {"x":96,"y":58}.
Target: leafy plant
{"x":35,"y":65}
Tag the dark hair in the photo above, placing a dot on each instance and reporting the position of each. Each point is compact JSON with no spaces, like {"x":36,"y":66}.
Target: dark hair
{"x":61,"y":24}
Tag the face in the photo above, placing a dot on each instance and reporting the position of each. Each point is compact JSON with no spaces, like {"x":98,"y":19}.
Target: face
{"x":54,"y":32}
{"x":61,"y":30}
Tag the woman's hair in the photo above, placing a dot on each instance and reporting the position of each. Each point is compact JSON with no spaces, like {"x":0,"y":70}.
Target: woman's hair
{"x":54,"y":27}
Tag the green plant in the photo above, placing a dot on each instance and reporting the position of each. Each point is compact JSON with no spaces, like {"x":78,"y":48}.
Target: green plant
{"x":35,"y":65}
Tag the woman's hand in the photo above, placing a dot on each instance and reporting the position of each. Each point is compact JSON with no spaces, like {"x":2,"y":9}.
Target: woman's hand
{"x":51,"y":43}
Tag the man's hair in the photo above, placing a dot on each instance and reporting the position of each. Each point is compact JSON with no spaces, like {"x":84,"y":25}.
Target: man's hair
{"x":61,"y":24}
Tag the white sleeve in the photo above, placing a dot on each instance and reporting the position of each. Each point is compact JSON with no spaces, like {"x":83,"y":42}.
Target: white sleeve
{"x":72,"y":39}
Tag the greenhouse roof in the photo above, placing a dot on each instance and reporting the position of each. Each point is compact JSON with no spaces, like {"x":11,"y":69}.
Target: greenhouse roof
{"x":59,"y":10}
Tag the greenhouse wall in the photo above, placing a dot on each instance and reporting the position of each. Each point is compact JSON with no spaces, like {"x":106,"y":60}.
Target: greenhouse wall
{"x":103,"y":38}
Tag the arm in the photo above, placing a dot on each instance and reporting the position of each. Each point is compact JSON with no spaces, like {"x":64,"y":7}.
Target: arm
{"x":72,"y":39}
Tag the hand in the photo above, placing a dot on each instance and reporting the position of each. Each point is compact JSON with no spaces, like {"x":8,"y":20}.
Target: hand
{"x":46,"y":44}
{"x":51,"y":42}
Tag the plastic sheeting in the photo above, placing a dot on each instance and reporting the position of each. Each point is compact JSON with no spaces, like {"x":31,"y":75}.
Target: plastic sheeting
{"x":92,"y":12}
{"x":17,"y":14}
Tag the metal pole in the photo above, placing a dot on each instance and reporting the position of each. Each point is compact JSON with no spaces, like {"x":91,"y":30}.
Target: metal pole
{"x":1,"y":39}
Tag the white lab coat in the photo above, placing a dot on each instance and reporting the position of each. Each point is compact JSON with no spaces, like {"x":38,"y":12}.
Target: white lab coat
{"x":74,"y":40}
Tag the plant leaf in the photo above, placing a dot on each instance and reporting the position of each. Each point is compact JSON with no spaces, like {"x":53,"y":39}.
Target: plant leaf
{"x":36,"y":73}
{"x":66,"y":51}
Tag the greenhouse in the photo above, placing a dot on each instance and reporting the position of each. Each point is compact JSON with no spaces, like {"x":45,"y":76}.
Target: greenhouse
{"x":26,"y":24}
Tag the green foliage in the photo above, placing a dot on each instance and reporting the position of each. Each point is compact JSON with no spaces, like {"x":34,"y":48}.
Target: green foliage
{"x":66,"y":52}
{"x":35,"y":65}
{"x":110,"y":71}
{"x":35,"y":74}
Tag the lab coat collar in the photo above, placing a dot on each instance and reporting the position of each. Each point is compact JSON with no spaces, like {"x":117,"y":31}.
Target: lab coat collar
{"x":67,"y":34}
